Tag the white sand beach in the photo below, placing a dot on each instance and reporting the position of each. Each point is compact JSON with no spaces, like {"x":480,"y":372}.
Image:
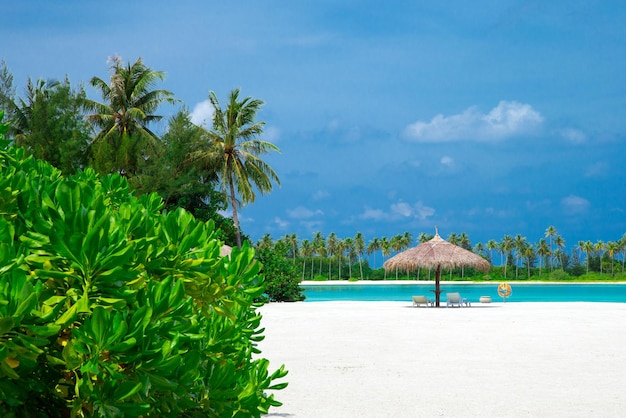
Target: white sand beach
{"x":388,"y":359}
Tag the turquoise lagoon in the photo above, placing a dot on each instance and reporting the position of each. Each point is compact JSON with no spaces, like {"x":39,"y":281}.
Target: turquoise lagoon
{"x":522,"y":292}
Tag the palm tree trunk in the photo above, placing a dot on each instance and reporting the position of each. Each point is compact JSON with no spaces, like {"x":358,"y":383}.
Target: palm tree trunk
{"x":233,"y":203}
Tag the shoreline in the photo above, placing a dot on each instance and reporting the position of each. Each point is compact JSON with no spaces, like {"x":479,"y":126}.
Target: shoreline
{"x":387,"y":359}
{"x":443,"y":282}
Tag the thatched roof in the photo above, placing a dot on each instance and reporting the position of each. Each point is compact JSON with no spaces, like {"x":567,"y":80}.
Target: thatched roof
{"x":436,"y":253}
{"x":225,"y":250}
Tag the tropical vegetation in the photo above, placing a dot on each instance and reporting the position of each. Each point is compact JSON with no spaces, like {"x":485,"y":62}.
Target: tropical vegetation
{"x":111,"y":306}
{"x":512,"y":258}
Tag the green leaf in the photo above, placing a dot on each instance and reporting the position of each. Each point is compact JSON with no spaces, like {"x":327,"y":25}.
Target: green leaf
{"x":126,"y":390}
{"x":6,"y":325}
{"x":125,"y":345}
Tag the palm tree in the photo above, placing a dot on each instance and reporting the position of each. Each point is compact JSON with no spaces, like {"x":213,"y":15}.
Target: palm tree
{"x":292,"y":242}
{"x":372,"y":247}
{"x":491,"y":245}
{"x":423,"y":237}
{"x":588,"y":248}
{"x":348,"y":247}
{"x":331,"y":243}
{"x":319,"y":243}
{"x":385,"y":247}
{"x":234,"y":149}
{"x":396,"y":245}
{"x":359,"y":247}
{"x":612,"y":248}
{"x":543,"y":251}
{"x":529,"y":253}
{"x":340,"y":246}
{"x":465,"y":242}
{"x":599,"y":247}
{"x":519,"y":245}
{"x":550,"y":232}
{"x":560,"y":243}
{"x":306,"y":251}
{"x":505,"y":248}
{"x":124,"y":116}
{"x":265,"y":242}
{"x":622,"y":245}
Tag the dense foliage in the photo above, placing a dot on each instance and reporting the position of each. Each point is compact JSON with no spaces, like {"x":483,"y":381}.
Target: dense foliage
{"x":205,"y":171}
{"x":335,"y":258}
{"x":110,"y":306}
{"x":283,"y":282}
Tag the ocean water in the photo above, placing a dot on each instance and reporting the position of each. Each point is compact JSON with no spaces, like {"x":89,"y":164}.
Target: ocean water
{"x":522,"y":292}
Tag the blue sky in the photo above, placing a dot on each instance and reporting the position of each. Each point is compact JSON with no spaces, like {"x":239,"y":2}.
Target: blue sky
{"x":485,"y":117}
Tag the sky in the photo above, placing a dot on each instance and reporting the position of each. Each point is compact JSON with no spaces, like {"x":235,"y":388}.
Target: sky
{"x":489,"y":118}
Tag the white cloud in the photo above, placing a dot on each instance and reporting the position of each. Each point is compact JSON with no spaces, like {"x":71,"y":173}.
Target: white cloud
{"x":282,"y":224}
{"x":399,"y":211}
{"x":447,"y":161}
{"x":599,"y":169}
{"x":375,"y":214}
{"x":271,"y":134}
{"x":321,"y":194}
{"x":301,"y":212}
{"x":573,"y":135}
{"x":508,"y":119}
{"x":202,"y":113}
{"x":573,"y":204}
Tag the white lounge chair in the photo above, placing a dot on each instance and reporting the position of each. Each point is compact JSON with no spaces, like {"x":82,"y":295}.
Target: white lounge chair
{"x":455,"y":299}
{"x":422,"y":300}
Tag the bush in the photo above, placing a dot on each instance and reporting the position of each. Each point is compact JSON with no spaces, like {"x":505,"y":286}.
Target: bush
{"x":558,"y":275}
{"x":283,"y":283}
{"x":109,"y":307}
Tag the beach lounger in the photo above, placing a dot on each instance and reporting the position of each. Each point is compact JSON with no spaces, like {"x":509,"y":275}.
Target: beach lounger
{"x":455,"y":299}
{"x":422,"y":300}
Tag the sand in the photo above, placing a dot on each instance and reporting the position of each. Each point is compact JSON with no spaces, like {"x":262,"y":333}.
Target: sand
{"x":388,"y":359}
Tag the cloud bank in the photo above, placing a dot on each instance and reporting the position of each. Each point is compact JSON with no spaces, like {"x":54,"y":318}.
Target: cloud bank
{"x":508,"y":119}
{"x":202,"y":113}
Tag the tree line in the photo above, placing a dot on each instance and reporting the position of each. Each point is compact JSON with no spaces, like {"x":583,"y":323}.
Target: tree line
{"x":203,"y":170}
{"x":331,"y":257}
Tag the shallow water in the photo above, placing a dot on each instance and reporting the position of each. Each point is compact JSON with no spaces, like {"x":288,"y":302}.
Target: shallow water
{"x":521,"y":292}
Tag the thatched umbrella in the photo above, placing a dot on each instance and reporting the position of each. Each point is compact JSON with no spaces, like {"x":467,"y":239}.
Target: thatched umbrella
{"x":436,"y":254}
{"x":225,"y":250}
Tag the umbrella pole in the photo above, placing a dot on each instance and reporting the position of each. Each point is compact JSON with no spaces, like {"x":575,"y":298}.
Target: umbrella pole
{"x":437,"y":291}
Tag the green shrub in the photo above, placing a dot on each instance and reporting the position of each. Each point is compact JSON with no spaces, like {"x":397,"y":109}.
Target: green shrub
{"x":283,"y":283}
{"x":320,"y":278}
{"x":558,"y":275}
{"x":111,"y":307}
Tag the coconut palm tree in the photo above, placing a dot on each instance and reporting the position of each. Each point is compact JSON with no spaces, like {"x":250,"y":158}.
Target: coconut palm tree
{"x":331,"y":243}
{"x":543,"y":251}
{"x":599,"y":247}
{"x":588,"y":248}
{"x":306,"y":251}
{"x":550,"y":233}
{"x":385,"y":247}
{"x":519,"y":245}
{"x":234,"y":149}
{"x":292,"y":242}
{"x":506,"y":245}
{"x":123,"y":117}
{"x":423,"y":237}
{"x":359,"y":248}
{"x":529,"y":253}
{"x":491,"y":245}
{"x":319,"y":243}
{"x":622,"y":244}
{"x":612,"y":248}
{"x":560,"y":243}
{"x":340,"y":247}
{"x":372,"y":247}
